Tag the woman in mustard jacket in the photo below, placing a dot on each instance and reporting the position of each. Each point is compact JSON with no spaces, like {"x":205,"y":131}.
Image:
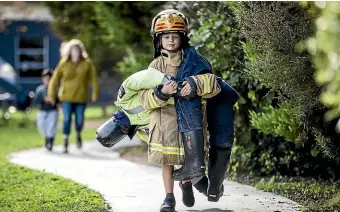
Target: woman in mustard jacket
{"x":72,"y":76}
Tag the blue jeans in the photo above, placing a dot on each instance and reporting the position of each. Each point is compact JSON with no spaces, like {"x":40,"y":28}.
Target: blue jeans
{"x":68,"y":109}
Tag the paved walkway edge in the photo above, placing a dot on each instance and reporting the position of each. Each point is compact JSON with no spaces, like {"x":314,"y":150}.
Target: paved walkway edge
{"x":127,"y":186}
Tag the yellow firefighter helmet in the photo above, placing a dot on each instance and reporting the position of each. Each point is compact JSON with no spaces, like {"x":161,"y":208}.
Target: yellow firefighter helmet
{"x":169,"y":21}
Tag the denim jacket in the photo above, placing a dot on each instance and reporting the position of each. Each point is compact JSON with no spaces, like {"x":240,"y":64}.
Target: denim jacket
{"x":189,"y":114}
{"x":220,"y":109}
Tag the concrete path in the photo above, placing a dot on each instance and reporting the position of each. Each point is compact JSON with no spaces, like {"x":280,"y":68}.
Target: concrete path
{"x":131,"y":187}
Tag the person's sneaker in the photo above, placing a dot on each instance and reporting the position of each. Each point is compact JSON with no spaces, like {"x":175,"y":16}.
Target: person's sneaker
{"x":49,"y":144}
{"x":65,"y":146}
{"x":188,"y":198}
{"x":169,"y":204}
{"x":79,"y":142}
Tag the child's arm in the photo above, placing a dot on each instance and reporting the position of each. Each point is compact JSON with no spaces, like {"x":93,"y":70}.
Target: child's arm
{"x":157,"y":97}
{"x":38,"y":96}
{"x":204,"y":85}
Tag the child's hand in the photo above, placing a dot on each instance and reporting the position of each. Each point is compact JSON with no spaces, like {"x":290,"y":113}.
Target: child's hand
{"x":186,"y":90}
{"x":169,"y":88}
{"x":48,"y":100}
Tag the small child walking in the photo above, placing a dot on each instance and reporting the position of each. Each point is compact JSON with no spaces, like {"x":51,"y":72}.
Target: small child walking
{"x":172,"y":139}
{"x":47,"y":118}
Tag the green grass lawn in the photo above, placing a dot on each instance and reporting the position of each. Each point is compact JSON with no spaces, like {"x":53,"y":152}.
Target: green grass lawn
{"x":22,"y":189}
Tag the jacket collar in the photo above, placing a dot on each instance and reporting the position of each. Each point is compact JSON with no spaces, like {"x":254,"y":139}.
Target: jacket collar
{"x":171,"y":58}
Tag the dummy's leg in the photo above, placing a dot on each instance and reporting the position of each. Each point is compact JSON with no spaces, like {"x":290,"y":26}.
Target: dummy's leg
{"x":221,"y":141}
{"x":217,"y":169}
{"x":201,"y":184}
{"x":169,"y":202}
{"x":193,"y":164}
{"x":194,"y":156}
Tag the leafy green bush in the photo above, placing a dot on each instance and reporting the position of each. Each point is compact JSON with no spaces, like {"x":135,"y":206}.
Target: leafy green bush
{"x":274,"y":31}
{"x":277,"y":121}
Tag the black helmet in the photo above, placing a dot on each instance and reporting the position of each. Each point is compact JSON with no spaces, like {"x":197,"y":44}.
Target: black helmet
{"x":110,"y":133}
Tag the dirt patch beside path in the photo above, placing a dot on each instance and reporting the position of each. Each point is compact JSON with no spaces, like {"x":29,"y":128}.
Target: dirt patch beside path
{"x":136,"y":154}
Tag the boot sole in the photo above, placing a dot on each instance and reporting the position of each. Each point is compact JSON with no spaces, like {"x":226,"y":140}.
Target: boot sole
{"x":167,"y":210}
{"x":216,"y":198}
{"x":213,"y":199}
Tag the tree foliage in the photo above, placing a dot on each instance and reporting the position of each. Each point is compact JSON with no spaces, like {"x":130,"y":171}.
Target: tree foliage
{"x":325,"y":46}
{"x":109,"y":30}
{"x":274,"y":32}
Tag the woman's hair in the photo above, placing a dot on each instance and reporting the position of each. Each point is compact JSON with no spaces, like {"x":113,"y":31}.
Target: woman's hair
{"x":65,"y":49}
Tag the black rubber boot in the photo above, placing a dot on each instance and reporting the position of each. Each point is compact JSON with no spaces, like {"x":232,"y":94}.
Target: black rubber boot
{"x":79,"y":142}
{"x":188,"y":198}
{"x":202,"y":185}
{"x":194,"y":156}
{"x":218,"y":165}
{"x":169,"y":203}
{"x":65,"y":145}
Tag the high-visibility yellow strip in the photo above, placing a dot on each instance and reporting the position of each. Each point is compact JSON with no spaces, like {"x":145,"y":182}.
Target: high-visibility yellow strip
{"x":207,"y":84}
{"x":152,"y":99}
{"x":167,"y":147}
{"x":171,"y":101}
{"x":166,"y":152}
{"x":142,"y":136}
{"x":204,"y":84}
